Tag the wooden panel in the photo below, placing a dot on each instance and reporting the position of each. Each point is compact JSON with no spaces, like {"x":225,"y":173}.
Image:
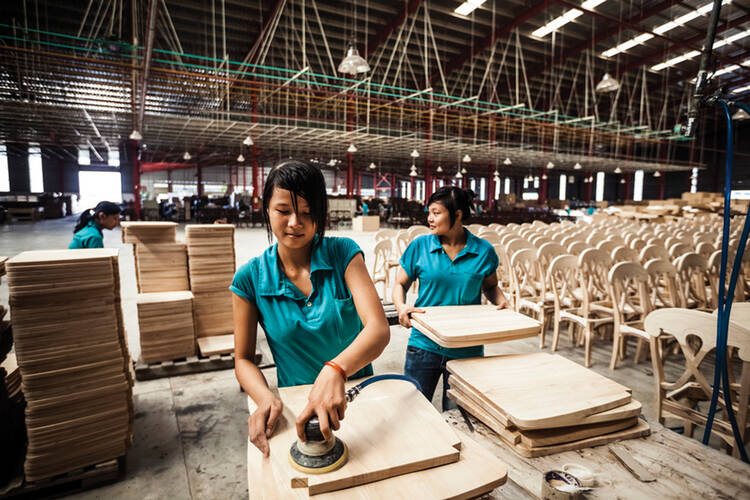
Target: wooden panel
{"x":475,"y":473}
{"x":390,"y":429}
{"x":463,"y":326}
{"x":539,"y":390}
{"x":213,"y":313}
{"x":165,"y":322}
{"x":148,"y":232}
{"x":217,"y":344}
{"x":161,"y":267}
{"x":211,"y":256}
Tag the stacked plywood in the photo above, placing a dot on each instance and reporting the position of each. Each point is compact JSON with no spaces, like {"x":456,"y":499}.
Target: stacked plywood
{"x":149,"y":232}
{"x":166,"y":325}
{"x":12,"y":376}
{"x":541,"y":404}
{"x":464,"y":326}
{"x":161,"y":267}
{"x":399,"y":446}
{"x":73,"y":359}
{"x":211,"y":262}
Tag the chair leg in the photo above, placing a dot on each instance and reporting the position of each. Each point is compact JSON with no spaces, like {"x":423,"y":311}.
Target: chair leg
{"x":571,"y":332}
{"x":543,"y":319}
{"x":587,"y":340}
{"x":615,"y":349}
{"x":555,"y":331}
{"x":640,"y":351}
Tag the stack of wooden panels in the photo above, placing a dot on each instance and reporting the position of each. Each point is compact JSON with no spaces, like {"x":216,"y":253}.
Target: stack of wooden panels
{"x":165,"y":321}
{"x":465,"y":326}
{"x":161,"y":267}
{"x":399,"y":446}
{"x":12,"y":376}
{"x":211,"y":262}
{"x":73,"y":358}
{"x":541,"y":404}
{"x":149,"y":232}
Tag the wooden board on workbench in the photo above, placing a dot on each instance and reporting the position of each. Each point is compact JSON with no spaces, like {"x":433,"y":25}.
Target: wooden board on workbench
{"x":391,"y":429}
{"x":475,"y":473}
{"x":539,"y":390}
{"x":217,"y":344}
{"x":463,"y":326}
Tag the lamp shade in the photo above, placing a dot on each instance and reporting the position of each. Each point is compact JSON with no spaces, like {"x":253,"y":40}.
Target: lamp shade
{"x":414,"y":154}
{"x":507,"y":162}
{"x":135,"y":135}
{"x":248,"y":141}
{"x":240,"y":158}
{"x":352,"y":148}
{"x":577,"y":166}
{"x":373,"y":166}
{"x":353,"y":63}
{"x":550,"y":165}
{"x":740,"y":115}
{"x":439,"y":169}
{"x":607,"y":85}
{"x":186,"y":156}
{"x":618,"y":170}
{"x":467,"y":158}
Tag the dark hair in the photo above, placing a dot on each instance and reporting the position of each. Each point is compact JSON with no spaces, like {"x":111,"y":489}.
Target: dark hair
{"x":453,"y":199}
{"x":105,"y":207}
{"x":301,"y":179}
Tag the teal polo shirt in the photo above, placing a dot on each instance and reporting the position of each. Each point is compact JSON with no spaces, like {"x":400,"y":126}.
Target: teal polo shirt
{"x":304,"y":332}
{"x":443,"y":282}
{"x":89,"y":237}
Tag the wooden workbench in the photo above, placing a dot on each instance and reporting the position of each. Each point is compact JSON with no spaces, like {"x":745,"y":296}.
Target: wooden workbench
{"x":683,"y":467}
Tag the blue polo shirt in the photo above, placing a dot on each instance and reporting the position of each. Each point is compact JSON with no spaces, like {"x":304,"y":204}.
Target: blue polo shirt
{"x":304,"y":332}
{"x":89,"y":237}
{"x":443,"y":282}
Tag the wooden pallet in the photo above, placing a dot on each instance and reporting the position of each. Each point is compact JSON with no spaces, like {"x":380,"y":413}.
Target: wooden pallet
{"x":186,"y":366}
{"x":72,"y":482}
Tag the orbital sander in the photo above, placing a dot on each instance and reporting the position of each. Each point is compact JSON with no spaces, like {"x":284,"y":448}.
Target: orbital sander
{"x":316,"y":455}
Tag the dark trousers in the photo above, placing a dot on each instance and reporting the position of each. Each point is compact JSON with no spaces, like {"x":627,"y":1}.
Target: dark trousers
{"x":426,"y":368}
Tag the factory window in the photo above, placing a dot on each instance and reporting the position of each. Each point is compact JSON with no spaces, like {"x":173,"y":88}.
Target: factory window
{"x":4,"y":174}
{"x":113,"y":157}
{"x":693,"y":181}
{"x":507,"y":185}
{"x":482,"y":189}
{"x":84,"y":155}
{"x":526,"y":183}
{"x":497,"y":187}
{"x":36,"y":177}
{"x":536,"y":182}
{"x":97,"y":186}
{"x":638,"y":186}
{"x":563,"y":186}
{"x":600,"y":186}
{"x":531,"y":195}
{"x":473,"y":185}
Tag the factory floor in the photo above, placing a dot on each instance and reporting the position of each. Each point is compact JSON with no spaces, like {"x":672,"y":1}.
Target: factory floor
{"x":190,"y":433}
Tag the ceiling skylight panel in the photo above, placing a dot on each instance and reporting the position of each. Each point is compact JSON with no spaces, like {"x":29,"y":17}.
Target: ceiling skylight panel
{"x":564,"y":19}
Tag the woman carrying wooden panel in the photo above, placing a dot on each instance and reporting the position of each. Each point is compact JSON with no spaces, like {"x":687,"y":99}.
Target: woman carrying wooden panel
{"x":88,"y":231}
{"x":453,"y":267}
{"x":315,"y":300}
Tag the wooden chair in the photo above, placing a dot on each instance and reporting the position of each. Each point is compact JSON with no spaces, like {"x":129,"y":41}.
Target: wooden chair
{"x":517,"y":244}
{"x":607,"y":246}
{"x":385,"y":234}
{"x":637,"y":244}
{"x":706,"y":249}
{"x":650,"y":252}
{"x":577,"y":247}
{"x":503,"y":269}
{"x":693,"y":280}
{"x":695,"y":332}
{"x":628,"y":283}
{"x":714,"y":267}
{"x":416,"y":231}
{"x":663,"y":288}
{"x":380,"y":269}
{"x":678,"y":250}
{"x":625,"y":254}
{"x":529,"y":287}
{"x":490,"y":237}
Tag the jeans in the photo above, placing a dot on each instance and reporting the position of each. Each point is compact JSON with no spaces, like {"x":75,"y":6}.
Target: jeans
{"x":426,"y":368}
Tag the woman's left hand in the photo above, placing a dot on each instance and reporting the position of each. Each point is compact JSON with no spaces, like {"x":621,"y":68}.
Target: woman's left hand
{"x":326,"y":400}
{"x":502,"y":302}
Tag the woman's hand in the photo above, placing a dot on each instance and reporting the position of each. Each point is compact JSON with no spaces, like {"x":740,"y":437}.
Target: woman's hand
{"x":404,"y":315}
{"x":502,"y":302}
{"x":262,"y":422}
{"x":326,"y":400}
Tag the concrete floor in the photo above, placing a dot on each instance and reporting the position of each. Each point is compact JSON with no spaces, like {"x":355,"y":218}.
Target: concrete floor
{"x":190,"y":432}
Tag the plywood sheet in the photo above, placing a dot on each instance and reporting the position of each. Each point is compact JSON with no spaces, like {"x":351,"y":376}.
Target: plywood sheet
{"x":161,"y":267}
{"x":390,"y":429}
{"x":213,"y":313}
{"x":539,"y":390}
{"x":217,"y":344}
{"x":211,"y":256}
{"x":166,"y":325}
{"x":463,"y":326}
{"x":148,"y":232}
{"x":476,"y":472}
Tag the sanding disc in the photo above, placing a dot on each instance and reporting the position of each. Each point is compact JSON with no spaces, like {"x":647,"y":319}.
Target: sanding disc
{"x":328,"y":462}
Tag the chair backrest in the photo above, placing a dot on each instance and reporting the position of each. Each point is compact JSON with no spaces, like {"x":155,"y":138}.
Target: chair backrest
{"x":383,"y":251}
{"x":625,"y":254}
{"x":607,"y":246}
{"x":594,"y":265}
{"x":526,"y":280}
{"x":692,"y":272}
{"x":517,"y":244}
{"x":637,"y":244}
{"x":663,"y":288}
{"x":548,"y":251}
{"x":714,"y":272}
{"x":415,"y":231}
{"x":474,"y":228}
{"x":679,"y":249}
{"x":400,"y":242}
{"x":564,"y":278}
{"x":385,"y":234}
{"x":706,"y":249}
{"x":628,"y":285}
{"x":489,"y":236}
{"x":507,"y":237}
{"x":650,"y":252}
{"x":577,"y":247}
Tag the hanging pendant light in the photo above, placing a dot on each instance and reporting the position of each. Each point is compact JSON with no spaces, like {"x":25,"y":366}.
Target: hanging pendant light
{"x":571,"y":180}
{"x":332,"y":162}
{"x":544,"y":177}
{"x":352,"y":148}
{"x":622,"y":181}
{"x":353,"y":63}
{"x":607,"y":85}
{"x":413,"y":173}
{"x":550,"y":165}
{"x":496,"y":176}
{"x":373,"y":166}
{"x":618,"y":170}
{"x":248,"y":141}
{"x":577,"y":166}
{"x":507,"y":162}
{"x":467,"y":158}
{"x":740,"y":115}
{"x":439,"y":169}
{"x":135,"y":135}
{"x":414,"y":154}
{"x":240,"y":158}
{"x":186,"y":156}
{"x":463,"y":171}
{"x":657,"y":174}
{"x":458,"y":174}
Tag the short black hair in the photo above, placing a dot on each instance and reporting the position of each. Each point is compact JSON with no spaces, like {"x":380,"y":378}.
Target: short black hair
{"x":302,"y":179}
{"x":453,"y":199}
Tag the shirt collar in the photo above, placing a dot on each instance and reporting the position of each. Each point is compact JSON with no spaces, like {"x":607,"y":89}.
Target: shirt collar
{"x":94,"y":224}
{"x":472,"y":244}
{"x":276,"y":283}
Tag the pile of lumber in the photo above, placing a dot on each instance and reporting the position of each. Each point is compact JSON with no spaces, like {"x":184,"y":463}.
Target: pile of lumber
{"x":165,"y":320}
{"x":540,"y":404}
{"x":12,"y":376}
{"x":211,"y":261}
{"x":73,"y":358}
{"x":399,"y":446}
{"x":149,"y":232}
{"x":161,"y":267}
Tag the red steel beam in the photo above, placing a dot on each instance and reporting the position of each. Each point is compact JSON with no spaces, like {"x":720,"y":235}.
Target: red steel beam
{"x":382,"y":35}
{"x":500,"y":31}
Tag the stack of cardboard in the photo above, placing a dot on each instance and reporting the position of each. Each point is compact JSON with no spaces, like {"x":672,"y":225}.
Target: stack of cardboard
{"x":540,"y":404}
{"x":166,"y":325}
{"x":149,"y":232}
{"x":161,"y":267}
{"x":73,"y":358}
{"x":211,"y":261}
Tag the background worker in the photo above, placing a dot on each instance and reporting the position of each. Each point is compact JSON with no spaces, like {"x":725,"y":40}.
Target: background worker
{"x":88,"y":231}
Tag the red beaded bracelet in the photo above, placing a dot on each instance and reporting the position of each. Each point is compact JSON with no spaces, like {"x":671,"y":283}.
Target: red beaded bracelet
{"x":336,"y":367}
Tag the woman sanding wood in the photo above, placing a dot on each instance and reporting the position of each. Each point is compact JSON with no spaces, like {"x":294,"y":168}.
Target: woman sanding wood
{"x":315,"y":300}
{"x":88,"y":231}
{"x":453,"y":267}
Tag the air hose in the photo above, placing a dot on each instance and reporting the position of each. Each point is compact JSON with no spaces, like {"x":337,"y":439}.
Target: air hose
{"x":353,"y":392}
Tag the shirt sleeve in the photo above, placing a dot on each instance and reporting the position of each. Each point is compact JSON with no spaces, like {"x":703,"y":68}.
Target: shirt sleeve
{"x":94,"y":242}
{"x":491,"y":261}
{"x":408,"y":260}
{"x":343,"y":251}
{"x":242,"y":283}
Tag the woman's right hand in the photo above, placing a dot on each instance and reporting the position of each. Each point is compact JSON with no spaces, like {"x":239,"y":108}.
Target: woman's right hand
{"x":404,"y":315}
{"x":262,"y":422}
